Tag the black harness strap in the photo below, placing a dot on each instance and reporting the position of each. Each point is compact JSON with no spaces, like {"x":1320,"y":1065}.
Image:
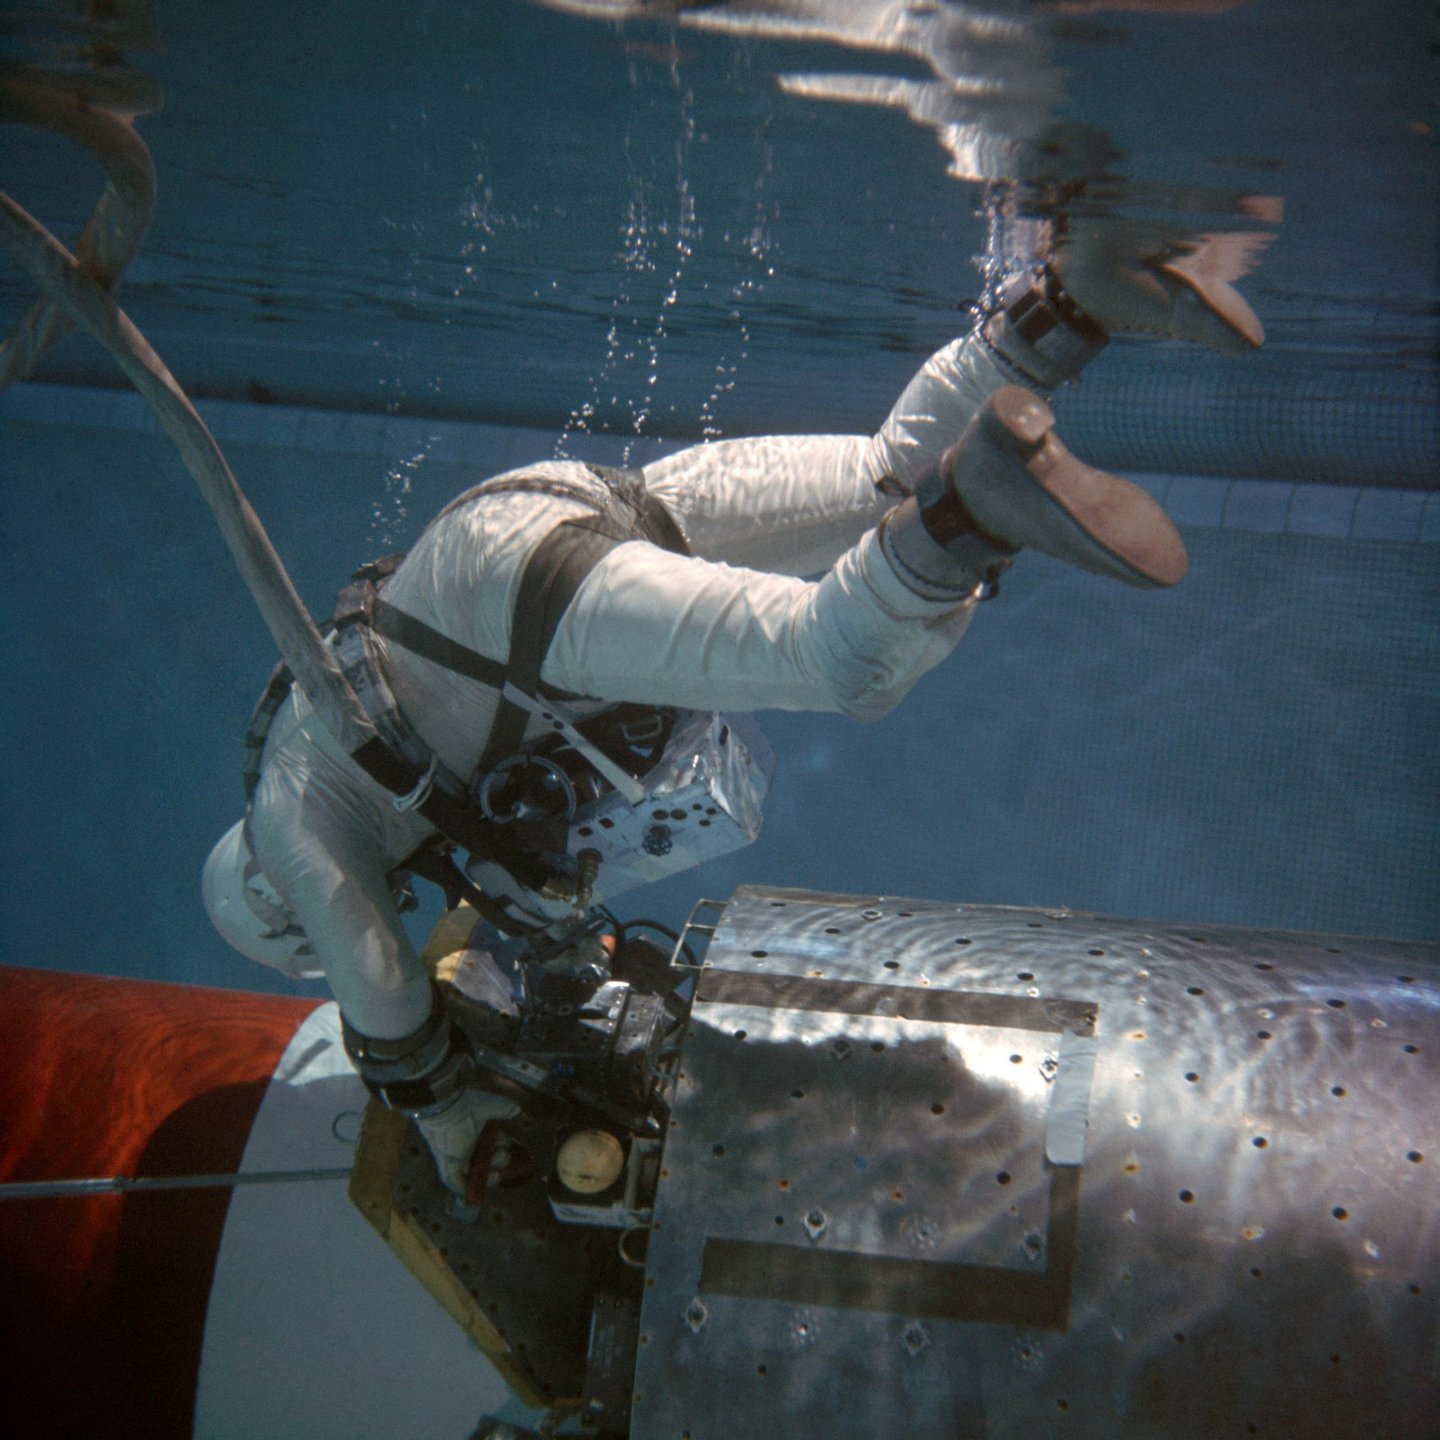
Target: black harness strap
{"x":552,"y":578}
{"x":424,"y":640}
{"x":397,"y":757}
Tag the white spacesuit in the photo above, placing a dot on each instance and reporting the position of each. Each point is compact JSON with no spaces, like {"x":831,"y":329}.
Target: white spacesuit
{"x":731,"y":625}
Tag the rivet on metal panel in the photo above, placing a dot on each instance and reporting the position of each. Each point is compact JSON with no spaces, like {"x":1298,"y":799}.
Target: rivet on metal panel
{"x":870,"y":914}
{"x":816,"y":1223}
{"x":1050,"y":1067}
{"x":803,"y":1330}
{"x":696,"y":1315}
{"x":840,"y":1049}
{"x":921,"y":1232}
{"x":1034,"y":1245}
{"x":916,"y":1337}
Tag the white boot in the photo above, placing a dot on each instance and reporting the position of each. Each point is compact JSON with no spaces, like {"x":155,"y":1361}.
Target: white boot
{"x":1011,"y":484}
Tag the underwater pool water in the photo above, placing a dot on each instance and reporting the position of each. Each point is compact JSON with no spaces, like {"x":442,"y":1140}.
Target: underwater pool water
{"x":401,"y":252}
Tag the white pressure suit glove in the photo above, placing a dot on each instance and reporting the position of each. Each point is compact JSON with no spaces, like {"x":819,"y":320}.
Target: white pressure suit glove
{"x":465,"y":1138}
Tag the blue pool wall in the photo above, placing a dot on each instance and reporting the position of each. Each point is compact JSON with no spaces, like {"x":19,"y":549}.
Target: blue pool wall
{"x":1257,"y":747}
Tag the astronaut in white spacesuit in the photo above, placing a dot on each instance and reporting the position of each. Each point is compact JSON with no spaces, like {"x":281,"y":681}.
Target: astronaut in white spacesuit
{"x":694,"y":597}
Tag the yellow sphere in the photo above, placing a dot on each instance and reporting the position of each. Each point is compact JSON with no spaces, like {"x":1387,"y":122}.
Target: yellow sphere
{"x":589,"y":1161}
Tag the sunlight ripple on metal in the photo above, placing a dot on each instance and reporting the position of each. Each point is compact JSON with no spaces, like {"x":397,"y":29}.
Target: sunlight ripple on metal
{"x":1168,"y":1180}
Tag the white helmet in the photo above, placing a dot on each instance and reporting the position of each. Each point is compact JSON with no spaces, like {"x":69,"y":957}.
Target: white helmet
{"x":244,"y":907}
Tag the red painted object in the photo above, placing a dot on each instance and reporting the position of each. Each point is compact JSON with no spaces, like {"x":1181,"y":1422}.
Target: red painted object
{"x":105,"y":1297}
